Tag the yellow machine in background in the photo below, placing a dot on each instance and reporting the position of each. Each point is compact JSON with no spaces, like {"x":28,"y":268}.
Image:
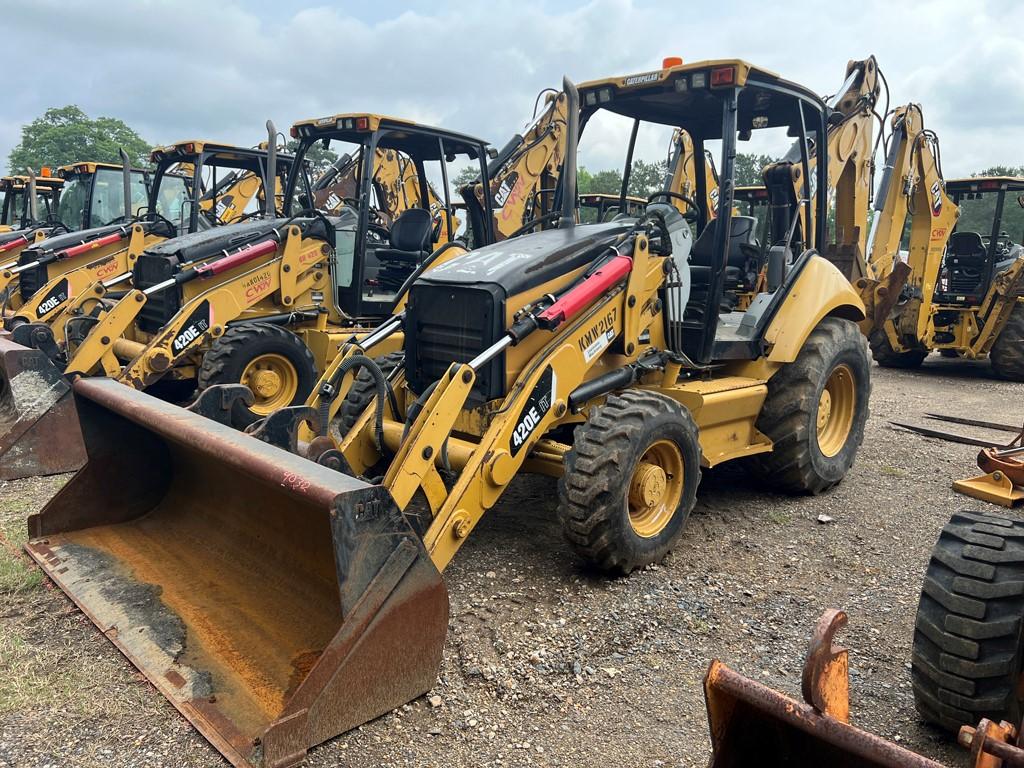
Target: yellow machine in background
{"x":596,"y":353}
{"x":950,"y":285}
{"x":270,"y":309}
{"x":16,"y":212}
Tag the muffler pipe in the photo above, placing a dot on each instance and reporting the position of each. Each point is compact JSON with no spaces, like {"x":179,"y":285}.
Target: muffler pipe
{"x":572,"y":138}
{"x":270,"y":185}
{"x":33,"y":202}
{"x":126,"y":183}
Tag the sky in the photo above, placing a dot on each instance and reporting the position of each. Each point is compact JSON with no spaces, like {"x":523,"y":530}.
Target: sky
{"x":184,"y":69}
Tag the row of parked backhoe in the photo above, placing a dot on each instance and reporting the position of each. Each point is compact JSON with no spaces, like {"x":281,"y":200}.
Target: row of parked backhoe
{"x":289,"y":397}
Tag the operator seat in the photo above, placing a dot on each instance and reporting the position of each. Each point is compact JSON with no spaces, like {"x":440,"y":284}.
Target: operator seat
{"x":965,"y":262}
{"x":410,"y":238}
{"x":744,"y":254}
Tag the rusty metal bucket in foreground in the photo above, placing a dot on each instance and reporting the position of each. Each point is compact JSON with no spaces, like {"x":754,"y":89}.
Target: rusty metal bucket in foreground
{"x":753,"y":725}
{"x":275,"y":602}
{"x":39,"y":430}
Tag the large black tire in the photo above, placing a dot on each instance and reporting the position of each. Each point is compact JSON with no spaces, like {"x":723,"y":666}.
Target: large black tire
{"x":363,"y":390}
{"x":1007,"y":354}
{"x":887,"y":357}
{"x":603,"y":466}
{"x":232,"y":353}
{"x":967,"y":656}
{"x":834,"y":350}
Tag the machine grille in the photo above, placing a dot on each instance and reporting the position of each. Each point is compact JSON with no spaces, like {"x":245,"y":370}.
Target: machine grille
{"x":162,"y":306}
{"x":447,"y":324}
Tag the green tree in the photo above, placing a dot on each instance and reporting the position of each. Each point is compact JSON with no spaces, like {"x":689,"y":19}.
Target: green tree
{"x":606,"y":182}
{"x":466,"y":176}
{"x":318,"y":158}
{"x":1001,"y":170}
{"x":646,"y":178}
{"x":66,"y":135}
{"x":748,"y":169}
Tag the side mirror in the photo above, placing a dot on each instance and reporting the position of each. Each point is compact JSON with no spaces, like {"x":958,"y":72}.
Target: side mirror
{"x":1020,"y":200}
{"x":493,"y":153}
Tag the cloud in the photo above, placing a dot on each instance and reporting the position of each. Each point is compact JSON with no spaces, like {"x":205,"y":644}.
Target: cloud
{"x":194,"y":69}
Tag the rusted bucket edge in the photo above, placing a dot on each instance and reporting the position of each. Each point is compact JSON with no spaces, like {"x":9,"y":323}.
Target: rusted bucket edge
{"x":242,"y":452}
{"x":721,"y":680}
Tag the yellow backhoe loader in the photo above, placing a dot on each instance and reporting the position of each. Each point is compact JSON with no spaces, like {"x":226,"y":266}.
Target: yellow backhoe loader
{"x":279,"y":600}
{"x":55,"y":291}
{"x":21,"y":209}
{"x":58,"y":283}
{"x":956,"y":283}
{"x":27,"y":216}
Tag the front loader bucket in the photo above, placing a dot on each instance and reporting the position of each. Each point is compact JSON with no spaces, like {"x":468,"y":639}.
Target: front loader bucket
{"x":753,"y":725}
{"x":39,"y":432}
{"x":275,"y":602}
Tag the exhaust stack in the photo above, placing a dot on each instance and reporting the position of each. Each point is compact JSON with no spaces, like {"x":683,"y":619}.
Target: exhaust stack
{"x":33,"y":201}
{"x":126,"y":183}
{"x":270,"y":185}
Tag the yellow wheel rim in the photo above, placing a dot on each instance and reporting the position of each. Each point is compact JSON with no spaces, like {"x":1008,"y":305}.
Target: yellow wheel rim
{"x":655,"y":489}
{"x":273,"y":380}
{"x":836,"y":407}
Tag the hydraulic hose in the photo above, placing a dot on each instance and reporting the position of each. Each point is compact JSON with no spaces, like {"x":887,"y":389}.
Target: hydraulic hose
{"x":380,"y":383}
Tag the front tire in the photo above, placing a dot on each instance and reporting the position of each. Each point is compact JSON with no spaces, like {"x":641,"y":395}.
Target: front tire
{"x":887,"y":357}
{"x":816,"y":410}
{"x":1007,"y":354}
{"x":968,"y":653}
{"x":630,"y":481}
{"x":270,"y":360}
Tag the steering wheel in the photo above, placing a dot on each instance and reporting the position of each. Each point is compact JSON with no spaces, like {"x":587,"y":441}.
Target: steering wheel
{"x":379,"y":230}
{"x":676,"y":196}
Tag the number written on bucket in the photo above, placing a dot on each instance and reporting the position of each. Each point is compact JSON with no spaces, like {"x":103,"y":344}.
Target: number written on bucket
{"x":294,"y":481}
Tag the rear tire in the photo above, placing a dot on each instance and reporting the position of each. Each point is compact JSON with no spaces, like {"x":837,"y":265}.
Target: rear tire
{"x":630,"y":481}
{"x":816,"y":409}
{"x":272,"y":361}
{"x":968,"y":652}
{"x":887,"y":357}
{"x":363,"y":390}
{"x":1007,"y":354}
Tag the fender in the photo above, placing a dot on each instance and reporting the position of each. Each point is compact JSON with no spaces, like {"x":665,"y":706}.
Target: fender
{"x":819,"y":291}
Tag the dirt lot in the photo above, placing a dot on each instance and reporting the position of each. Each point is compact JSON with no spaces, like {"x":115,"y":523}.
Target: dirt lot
{"x":549,"y":665}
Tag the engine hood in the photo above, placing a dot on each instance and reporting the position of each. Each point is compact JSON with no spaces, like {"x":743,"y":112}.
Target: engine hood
{"x":525,"y":262}
{"x":69,"y":239}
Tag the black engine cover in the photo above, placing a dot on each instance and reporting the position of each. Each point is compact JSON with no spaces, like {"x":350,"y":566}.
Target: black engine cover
{"x":458,"y":309}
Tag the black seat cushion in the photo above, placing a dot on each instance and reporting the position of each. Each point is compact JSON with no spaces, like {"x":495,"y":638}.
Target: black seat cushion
{"x":743,"y":249}
{"x":410,"y":238}
{"x":966,"y":244}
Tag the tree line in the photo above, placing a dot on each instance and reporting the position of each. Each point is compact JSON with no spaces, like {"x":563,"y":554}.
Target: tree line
{"x":64,"y":135}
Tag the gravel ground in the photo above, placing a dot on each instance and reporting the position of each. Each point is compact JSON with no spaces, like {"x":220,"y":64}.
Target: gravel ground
{"x":549,"y":665}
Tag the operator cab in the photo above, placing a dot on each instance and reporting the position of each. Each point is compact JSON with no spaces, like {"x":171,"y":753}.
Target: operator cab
{"x":719,"y":251}
{"x":986,"y":240}
{"x":16,"y":210}
{"x":93,"y":194}
{"x":387,"y":190}
{"x":231,"y":182}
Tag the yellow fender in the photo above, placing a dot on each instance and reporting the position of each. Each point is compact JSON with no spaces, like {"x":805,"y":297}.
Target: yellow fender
{"x":820,"y":291}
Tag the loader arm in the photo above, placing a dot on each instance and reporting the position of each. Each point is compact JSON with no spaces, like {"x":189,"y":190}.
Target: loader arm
{"x":538,"y":398}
